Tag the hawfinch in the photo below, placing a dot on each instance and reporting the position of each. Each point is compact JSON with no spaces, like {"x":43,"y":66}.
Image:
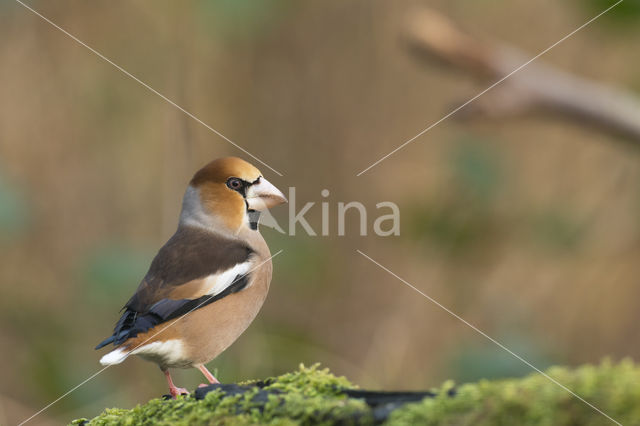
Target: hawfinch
{"x":208,"y":282}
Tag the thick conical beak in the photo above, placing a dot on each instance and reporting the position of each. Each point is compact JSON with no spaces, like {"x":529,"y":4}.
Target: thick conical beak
{"x":263,"y":195}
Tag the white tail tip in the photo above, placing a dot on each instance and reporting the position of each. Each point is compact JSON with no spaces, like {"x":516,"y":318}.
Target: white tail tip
{"x":114,"y":357}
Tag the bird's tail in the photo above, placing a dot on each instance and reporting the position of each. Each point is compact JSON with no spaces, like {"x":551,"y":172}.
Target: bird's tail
{"x":116,"y":356}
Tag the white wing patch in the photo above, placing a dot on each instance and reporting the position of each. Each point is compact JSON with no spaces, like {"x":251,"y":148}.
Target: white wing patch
{"x":217,"y":283}
{"x":114,"y":357}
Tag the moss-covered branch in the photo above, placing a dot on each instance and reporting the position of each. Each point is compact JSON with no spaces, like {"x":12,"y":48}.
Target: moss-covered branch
{"x":315,"y":396}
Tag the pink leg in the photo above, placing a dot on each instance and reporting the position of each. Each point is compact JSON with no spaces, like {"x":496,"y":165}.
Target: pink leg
{"x":173,"y":390}
{"x":208,"y":375}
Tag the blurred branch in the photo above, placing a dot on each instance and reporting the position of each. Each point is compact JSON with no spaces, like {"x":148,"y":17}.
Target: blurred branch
{"x":431,"y":35}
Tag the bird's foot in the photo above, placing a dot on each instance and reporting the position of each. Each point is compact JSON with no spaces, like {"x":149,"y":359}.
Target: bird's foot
{"x":177,"y":391}
{"x":202,"y":385}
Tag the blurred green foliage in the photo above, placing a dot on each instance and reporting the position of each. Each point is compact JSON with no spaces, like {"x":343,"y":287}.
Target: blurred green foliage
{"x":463,"y":217}
{"x":306,"y":260}
{"x":448,"y":227}
{"x":234,"y":18}
{"x":627,"y":11}
{"x":486,"y":360}
{"x":14,"y":211}
{"x":114,"y":271}
{"x":466,"y":215}
{"x":477,"y":168}
{"x":556,"y":229}
{"x":48,"y":371}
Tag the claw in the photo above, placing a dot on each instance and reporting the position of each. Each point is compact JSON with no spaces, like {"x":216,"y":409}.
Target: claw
{"x":177,"y":391}
{"x":173,"y":390}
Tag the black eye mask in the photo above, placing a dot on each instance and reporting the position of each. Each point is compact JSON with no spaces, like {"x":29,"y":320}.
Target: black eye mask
{"x":254,"y":216}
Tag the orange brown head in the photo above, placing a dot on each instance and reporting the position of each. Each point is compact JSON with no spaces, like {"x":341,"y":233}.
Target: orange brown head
{"x":224,"y":191}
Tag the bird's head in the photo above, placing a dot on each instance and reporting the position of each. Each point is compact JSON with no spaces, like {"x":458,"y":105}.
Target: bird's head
{"x":228,"y":192}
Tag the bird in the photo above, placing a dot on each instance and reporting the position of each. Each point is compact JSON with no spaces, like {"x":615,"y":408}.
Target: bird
{"x":208,"y":281}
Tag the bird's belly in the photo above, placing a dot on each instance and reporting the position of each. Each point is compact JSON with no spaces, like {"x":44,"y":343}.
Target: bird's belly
{"x":167,"y":353}
{"x":208,"y":331}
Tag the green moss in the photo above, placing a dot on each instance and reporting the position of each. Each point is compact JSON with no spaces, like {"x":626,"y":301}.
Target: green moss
{"x":313,"y":396}
{"x":535,"y":400}
{"x":309,"y":382}
{"x":307,"y":396}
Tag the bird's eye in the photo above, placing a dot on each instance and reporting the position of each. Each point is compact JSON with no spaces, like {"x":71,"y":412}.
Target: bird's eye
{"x":234,"y":183}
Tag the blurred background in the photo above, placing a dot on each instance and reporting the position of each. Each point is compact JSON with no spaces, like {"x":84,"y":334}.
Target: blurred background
{"x":527,"y":226}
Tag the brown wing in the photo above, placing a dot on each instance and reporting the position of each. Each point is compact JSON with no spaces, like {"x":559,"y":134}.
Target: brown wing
{"x":174,"y":283}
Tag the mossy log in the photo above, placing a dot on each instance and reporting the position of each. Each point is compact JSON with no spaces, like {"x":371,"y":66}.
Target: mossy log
{"x":311,"y":396}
